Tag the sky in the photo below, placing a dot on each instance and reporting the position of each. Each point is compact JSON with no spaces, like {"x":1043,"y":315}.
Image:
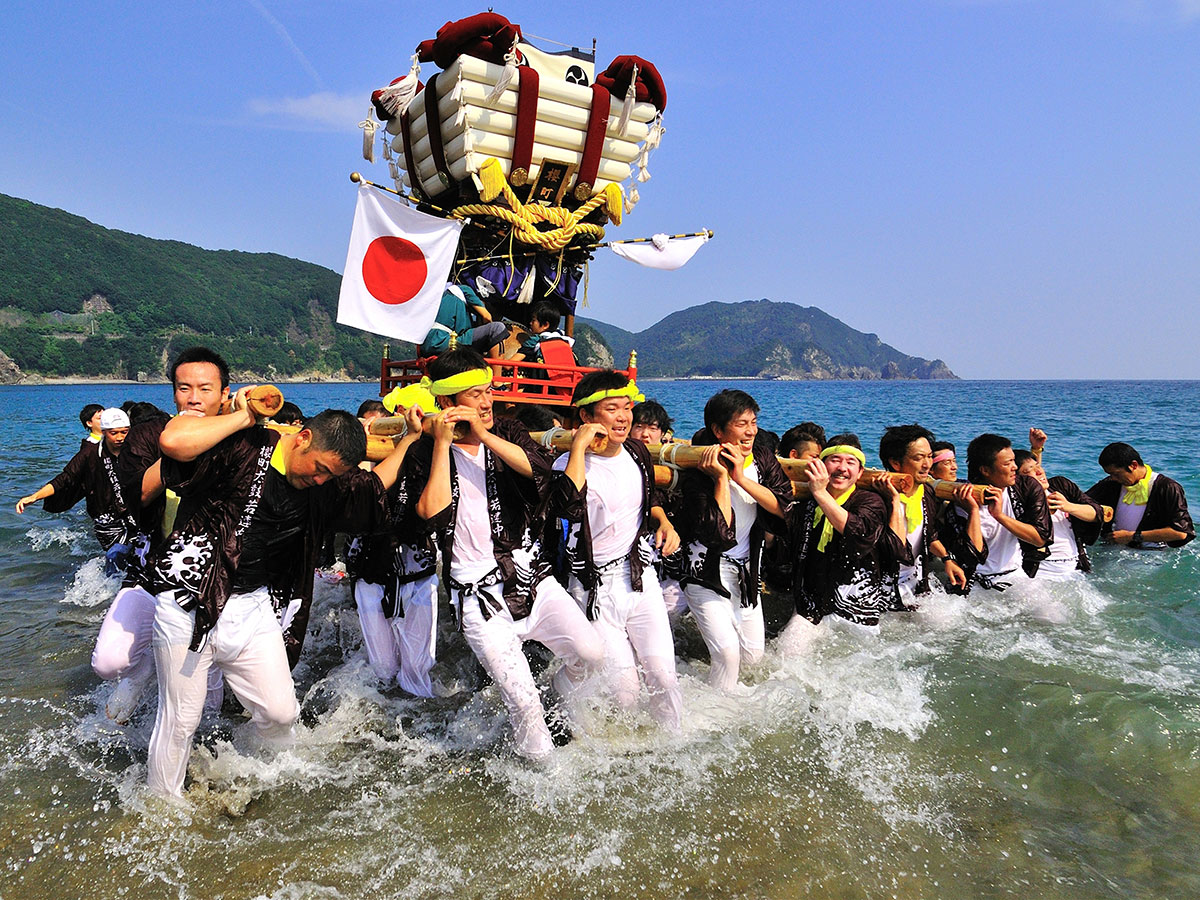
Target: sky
{"x":1011,"y":186}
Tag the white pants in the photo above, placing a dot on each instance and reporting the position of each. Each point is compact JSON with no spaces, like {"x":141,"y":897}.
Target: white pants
{"x":402,"y":648}
{"x":556,"y":621}
{"x":247,"y":646}
{"x":123,"y":645}
{"x":674,"y":598}
{"x":734,"y":634}
{"x":636,"y":634}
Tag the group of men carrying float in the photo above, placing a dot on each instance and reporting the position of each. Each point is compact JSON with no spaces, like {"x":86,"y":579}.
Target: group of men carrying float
{"x":223,"y":520}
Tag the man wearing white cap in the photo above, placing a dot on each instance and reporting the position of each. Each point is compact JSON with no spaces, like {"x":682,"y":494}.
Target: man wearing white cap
{"x":91,"y":475}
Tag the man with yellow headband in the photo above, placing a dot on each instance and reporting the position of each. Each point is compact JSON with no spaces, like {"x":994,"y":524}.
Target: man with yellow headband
{"x":847,"y":557}
{"x":616,"y":520}
{"x":478,"y":492}
{"x":1149,"y":509}
{"x":738,"y":493}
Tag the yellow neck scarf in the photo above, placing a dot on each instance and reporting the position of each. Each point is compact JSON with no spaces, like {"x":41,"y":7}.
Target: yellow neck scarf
{"x":748,"y":461}
{"x":827,"y":527}
{"x":1139,"y":494}
{"x":914,"y":512}
{"x":277,"y":462}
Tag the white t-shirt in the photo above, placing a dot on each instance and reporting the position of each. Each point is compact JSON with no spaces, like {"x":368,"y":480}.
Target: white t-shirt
{"x":910,"y":575}
{"x":1064,"y":552}
{"x":473,"y":554}
{"x":614,"y":503}
{"x":745,"y":511}
{"x":1004,"y":551}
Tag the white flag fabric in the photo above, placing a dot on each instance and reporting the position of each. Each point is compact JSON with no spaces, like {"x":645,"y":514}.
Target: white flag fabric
{"x":396,"y":268}
{"x":661,"y":252}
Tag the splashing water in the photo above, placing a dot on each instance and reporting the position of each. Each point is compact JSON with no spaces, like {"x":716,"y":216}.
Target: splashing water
{"x":1044,"y":741}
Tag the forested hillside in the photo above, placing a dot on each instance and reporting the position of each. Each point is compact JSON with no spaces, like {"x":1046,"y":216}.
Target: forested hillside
{"x":80,"y":299}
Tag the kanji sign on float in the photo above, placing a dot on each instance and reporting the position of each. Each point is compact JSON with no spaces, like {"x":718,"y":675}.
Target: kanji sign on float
{"x":396,"y":267}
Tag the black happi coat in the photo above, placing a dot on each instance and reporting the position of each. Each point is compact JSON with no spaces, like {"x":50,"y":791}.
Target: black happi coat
{"x":513,"y":502}
{"x":91,"y":475}
{"x":952,"y":530}
{"x":857,"y":575}
{"x":220,"y":492}
{"x":566,"y":501}
{"x":399,"y":552}
{"x":1029,"y":506}
{"x":705,"y":533}
{"x":138,"y":454}
{"x":1165,"y":508}
{"x":929,"y":534}
{"x":1085,"y":532}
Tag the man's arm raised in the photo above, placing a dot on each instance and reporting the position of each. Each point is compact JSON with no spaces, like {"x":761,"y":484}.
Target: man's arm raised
{"x":186,"y":436}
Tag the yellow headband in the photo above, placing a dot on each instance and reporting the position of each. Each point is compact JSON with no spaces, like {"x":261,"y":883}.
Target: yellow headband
{"x":845,"y":450}
{"x":409,"y":396}
{"x":453,"y":384}
{"x":630,"y":390}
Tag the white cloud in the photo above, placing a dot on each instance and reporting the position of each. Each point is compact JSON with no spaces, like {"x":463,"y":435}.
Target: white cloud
{"x":322,"y":111}
{"x":278,"y":28}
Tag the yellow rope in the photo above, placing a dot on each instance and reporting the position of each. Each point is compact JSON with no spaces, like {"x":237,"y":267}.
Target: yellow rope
{"x":525,"y":219}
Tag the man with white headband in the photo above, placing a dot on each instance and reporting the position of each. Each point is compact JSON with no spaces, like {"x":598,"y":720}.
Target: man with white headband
{"x":91,"y":475}
{"x":476,"y":483}
{"x":846,"y":555}
{"x":738,"y":493}
{"x":615,"y":512}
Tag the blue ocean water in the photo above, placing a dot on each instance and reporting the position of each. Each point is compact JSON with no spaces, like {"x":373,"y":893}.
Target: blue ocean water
{"x":969,"y":750}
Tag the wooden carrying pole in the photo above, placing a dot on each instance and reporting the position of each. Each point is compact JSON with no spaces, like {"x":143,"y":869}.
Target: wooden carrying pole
{"x":264,"y":401}
{"x":396,"y":426}
{"x":686,"y":456}
{"x":945,"y":490}
{"x":561,"y":439}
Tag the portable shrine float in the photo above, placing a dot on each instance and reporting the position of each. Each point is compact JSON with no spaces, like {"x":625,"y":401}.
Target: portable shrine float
{"x":538,"y":154}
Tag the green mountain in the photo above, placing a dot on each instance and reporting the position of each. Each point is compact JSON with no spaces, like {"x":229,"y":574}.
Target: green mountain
{"x":763,"y":339}
{"x":80,"y":299}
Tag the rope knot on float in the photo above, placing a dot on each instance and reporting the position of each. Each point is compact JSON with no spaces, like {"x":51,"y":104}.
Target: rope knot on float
{"x":527,"y":219}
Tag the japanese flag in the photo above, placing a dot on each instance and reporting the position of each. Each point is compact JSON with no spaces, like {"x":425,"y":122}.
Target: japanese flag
{"x":396,"y":268}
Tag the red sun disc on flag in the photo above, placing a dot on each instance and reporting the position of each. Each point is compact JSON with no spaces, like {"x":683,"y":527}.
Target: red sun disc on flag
{"x":393,"y":269}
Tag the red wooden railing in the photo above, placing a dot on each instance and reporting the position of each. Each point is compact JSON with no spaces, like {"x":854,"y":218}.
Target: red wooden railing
{"x":513,"y":382}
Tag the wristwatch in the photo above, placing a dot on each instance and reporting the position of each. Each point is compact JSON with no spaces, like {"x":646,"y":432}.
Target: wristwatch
{"x":1136,"y":540}
{"x":949,"y":557}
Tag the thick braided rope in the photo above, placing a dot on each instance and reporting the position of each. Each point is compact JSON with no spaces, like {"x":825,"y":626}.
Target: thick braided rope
{"x":524,"y":219}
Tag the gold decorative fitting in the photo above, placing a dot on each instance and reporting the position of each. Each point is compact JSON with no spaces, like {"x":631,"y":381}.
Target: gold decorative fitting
{"x":583,"y":191}
{"x":519,"y":177}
